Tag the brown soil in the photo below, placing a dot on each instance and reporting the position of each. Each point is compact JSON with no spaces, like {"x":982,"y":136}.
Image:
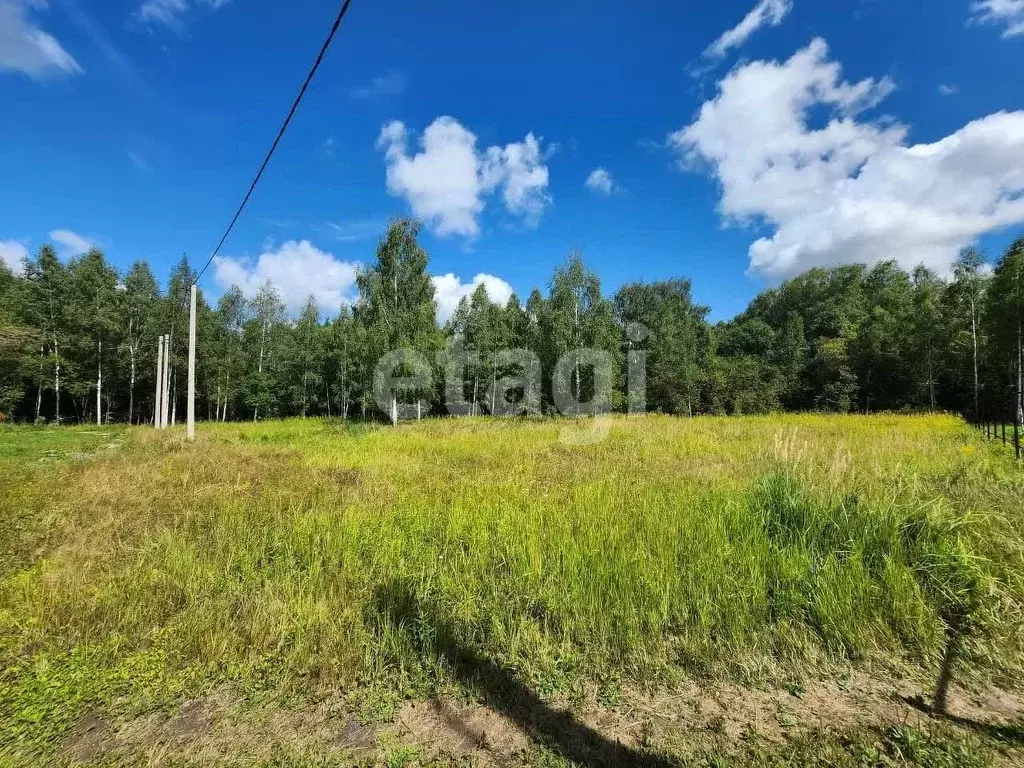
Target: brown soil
{"x":693,"y":718}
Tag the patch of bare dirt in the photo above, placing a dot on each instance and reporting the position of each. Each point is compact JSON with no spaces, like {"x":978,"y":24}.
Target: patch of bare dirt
{"x":221,"y":726}
{"x":448,"y":727}
{"x":696,"y":717}
{"x":693,"y":718}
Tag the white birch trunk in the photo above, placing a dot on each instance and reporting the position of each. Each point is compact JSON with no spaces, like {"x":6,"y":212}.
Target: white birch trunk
{"x":131,"y":382}
{"x":39,"y":390}
{"x":494,"y":385}
{"x":344,"y":397}
{"x":263,"y":341}
{"x":974,"y":339}
{"x":56,"y":377}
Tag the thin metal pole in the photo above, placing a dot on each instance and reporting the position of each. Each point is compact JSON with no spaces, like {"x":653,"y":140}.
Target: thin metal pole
{"x":190,"y":430}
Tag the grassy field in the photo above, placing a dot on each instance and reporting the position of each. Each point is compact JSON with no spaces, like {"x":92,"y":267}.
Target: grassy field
{"x":309,"y":566}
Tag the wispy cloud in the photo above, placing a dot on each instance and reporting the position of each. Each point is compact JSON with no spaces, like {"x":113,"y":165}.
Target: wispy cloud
{"x":26,"y":48}
{"x":171,"y":13}
{"x":357,"y":229}
{"x":601,"y":182}
{"x":391,"y":83}
{"x":1007,"y":12}
{"x":71,"y":243}
{"x":766,"y":12}
{"x":140,"y":162}
{"x":949,"y":89}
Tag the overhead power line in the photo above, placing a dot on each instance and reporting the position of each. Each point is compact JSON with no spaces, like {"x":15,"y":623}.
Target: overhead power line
{"x":273,"y":147}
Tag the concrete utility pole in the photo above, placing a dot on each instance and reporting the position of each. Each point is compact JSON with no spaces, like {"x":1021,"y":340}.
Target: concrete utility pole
{"x":158,"y":401}
{"x":165,"y":405}
{"x":191,"y":428}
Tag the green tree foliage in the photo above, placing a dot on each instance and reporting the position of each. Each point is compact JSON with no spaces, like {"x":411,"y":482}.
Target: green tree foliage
{"x":396,"y":299}
{"x":261,"y":339}
{"x":676,"y":334}
{"x":141,"y":314}
{"x":78,"y":342}
{"x":95,"y":301}
{"x":1005,"y":320}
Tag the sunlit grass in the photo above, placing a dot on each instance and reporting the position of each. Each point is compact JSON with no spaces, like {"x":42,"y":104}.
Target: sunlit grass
{"x":275,"y":554}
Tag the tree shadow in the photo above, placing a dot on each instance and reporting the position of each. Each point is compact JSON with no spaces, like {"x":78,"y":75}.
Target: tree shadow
{"x":557,"y":730}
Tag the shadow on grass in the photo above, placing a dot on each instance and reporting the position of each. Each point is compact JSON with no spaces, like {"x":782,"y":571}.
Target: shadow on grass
{"x":1011,"y":734}
{"x":556,"y":730}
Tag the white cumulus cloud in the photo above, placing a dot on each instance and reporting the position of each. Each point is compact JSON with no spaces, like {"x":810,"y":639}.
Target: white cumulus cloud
{"x":851,"y":189}
{"x":446,"y":183}
{"x":297,"y":269}
{"x":449,"y":290}
{"x":26,"y":48}
{"x":770,"y":12}
{"x":1006,"y":12}
{"x":71,"y":243}
{"x":601,"y":181}
{"x":13,"y":255}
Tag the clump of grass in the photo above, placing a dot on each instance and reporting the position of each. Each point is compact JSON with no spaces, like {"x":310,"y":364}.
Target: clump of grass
{"x":273,"y":555}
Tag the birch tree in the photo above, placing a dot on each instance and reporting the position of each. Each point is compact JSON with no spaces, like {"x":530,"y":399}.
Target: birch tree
{"x":1006,"y":328}
{"x":48,"y":291}
{"x":141,"y":304}
{"x":396,"y":299}
{"x":966,"y":298}
{"x":95,"y":301}
{"x":261,"y":334}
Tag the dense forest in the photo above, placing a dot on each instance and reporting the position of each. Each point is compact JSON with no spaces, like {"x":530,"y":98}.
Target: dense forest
{"x":78,"y":341}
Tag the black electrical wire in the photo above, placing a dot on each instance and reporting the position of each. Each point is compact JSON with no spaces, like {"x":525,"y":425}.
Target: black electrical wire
{"x":270,"y":152}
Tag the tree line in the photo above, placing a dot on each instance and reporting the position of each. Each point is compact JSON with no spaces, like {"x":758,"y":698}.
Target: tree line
{"x":78,"y":342}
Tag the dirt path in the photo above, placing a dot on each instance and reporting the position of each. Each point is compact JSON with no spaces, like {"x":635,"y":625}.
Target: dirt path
{"x":693,"y":720}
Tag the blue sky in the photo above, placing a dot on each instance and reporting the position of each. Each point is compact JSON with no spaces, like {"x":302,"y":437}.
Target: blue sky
{"x":735,"y":143}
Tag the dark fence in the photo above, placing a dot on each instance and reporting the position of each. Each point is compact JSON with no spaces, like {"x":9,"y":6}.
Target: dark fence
{"x":1004,"y":428}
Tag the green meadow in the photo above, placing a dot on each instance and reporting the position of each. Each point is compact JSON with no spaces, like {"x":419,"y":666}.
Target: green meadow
{"x":311,"y":560}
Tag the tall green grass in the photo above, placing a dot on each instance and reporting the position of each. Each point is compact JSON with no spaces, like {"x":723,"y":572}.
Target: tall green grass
{"x":274,"y":555}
